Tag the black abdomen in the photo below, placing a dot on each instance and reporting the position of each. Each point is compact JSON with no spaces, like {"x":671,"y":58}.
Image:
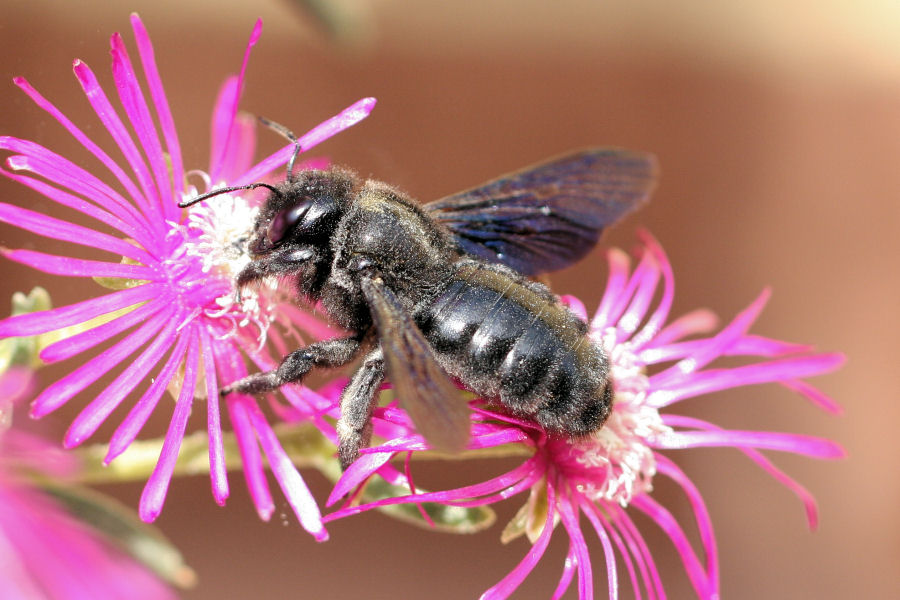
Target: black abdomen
{"x":507,"y":341}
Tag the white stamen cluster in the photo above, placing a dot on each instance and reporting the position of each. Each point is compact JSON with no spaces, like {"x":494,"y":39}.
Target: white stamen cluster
{"x":620,"y":446}
{"x":217,"y":233}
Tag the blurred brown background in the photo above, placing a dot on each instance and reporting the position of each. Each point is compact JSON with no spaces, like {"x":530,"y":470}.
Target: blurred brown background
{"x":777,"y":126}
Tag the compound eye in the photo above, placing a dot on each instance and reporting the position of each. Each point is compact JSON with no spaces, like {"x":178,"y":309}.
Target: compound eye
{"x":284,"y":221}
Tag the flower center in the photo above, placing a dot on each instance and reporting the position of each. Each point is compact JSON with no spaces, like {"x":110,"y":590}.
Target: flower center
{"x":215,"y":236}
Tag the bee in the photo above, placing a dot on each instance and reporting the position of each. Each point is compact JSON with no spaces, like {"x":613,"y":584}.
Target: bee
{"x":436,"y":292}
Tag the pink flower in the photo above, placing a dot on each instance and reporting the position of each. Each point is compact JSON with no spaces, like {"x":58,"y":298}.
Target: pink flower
{"x":44,"y":552}
{"x":654,"y":366}
{"x":173,"y":316}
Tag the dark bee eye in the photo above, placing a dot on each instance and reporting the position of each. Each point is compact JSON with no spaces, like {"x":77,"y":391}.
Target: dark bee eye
{"x":283,"y":221}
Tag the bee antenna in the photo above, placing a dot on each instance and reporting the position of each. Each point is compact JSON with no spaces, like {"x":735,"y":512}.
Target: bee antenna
{"x":225,"y":190}
{"x":284,"y":131}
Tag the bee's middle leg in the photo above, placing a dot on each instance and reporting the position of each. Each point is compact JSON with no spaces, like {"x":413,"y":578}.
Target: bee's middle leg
{"x":295,"y":366}
{"x":354,"y":428}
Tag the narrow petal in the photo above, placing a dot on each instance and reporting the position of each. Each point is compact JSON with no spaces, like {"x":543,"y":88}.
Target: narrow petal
{"x":716,"y":347}
{"x":231,"y":367}
{"x":147,"y":199}
{"x":132,"y":98}
{"x":646,"y":270}
{"x":87,"y":422}
{"x":814,"y":395}
{"x":229,"y":108}
{"x":646,"y":287}
{"x":73,"y":314}
{"x":665,"y":520}
{"x":217,"y":470}
{"x":85,"y":340}
{"x":623,"y":523}
{"x":134,"y":228}
{"x":93,"y":148}
{"x":75,"y":267}
{"x":132,"y":424}
{"x":659,"y":316}
{"x":809,"y":502}
{"x":154,"y":493}
{"x":696,"y":322}
{"x":62,"y":390}
{"x":619,"y":264}
{"x":601,"y":525}
{"x":53,"y":167}
{"x":569,"y":517}
{"x":161,"y":104}
{"x":348,"y":117}
{"x":805,"y":445}
{"x":514,"y":579}
{"x":701,"y":515}
{"x":565,"y":579}
{"x":292,"y":484}
{"x":715,"y":380}
{"x":56,"y":229}
{"x":251,"y":458}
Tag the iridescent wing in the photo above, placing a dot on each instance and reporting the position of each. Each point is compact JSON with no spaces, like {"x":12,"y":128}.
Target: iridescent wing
{"x":548,"y":216}
{"x":438,"y":409}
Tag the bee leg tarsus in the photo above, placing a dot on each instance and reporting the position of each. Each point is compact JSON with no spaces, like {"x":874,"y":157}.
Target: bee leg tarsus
{"x":357,"y":401}
{"x":295,"y":366}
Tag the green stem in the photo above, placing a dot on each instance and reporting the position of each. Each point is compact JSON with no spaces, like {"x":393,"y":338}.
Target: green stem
{"x":306,"y":446}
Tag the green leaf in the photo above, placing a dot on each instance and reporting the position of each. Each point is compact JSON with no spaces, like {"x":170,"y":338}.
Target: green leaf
{"x":447,"y":519}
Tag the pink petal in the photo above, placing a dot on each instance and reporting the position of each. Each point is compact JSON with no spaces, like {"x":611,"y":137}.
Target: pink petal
{"x":132,"y":99}
{"x":805,"y":445}
{"x":134,"y":228}
{"x":619,"y":264}
{"x":809,"y":502}
{"x":49,"y":227}
{"x":714,"y":380}
{"x":659,"y":316}
{"x":701,"y":515}
{"x":163,"y":113}
{"x":61,"y":391}
{"x":348,"y":117}
{"x":55,"y":168}
{"x":705,"y":589}
{"x":637,"y":309}
{"x":78,"y":343}
{"x":600,"y":524}
{"x":623,"y":523}
{"x":154,"y":493}
{"x":217,"y":470}
{"x":575,"y":305}
{"x":568,"y":571}
{"x":128,"y":430}
{"x":231,"y":368}
{"x":569,"y":518}
{"x":93,"y":148}
{"x":73,"y":314}
{"x":694,"y":323}
{"x":646,"y":270}
{"x":814,"y":395}
{"x":87,"y":422}
{"x":514,"y":579}
{"x":292,"y":484}
{"x":74,"y":267}
{"x":717,"y":346}
{"x":229,"y":106}
{"x":147,"y":199}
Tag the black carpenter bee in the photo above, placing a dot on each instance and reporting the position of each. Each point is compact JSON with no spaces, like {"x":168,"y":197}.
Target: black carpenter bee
{"x":440,"y":290}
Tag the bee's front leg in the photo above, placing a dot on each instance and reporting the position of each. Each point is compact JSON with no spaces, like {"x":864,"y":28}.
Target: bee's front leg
{"x":295,"y":366}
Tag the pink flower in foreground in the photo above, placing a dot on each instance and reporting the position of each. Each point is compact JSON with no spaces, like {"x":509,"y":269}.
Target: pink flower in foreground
{"x":44,"y":552}
{"x":599,"y":477}
{"x":174,"y":317}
